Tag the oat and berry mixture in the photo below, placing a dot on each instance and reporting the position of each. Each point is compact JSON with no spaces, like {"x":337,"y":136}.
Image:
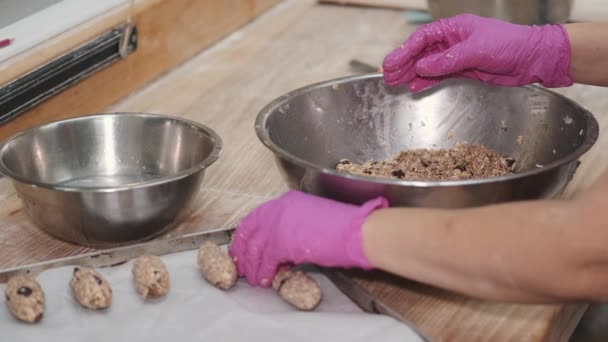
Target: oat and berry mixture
{"x":464,"y":161}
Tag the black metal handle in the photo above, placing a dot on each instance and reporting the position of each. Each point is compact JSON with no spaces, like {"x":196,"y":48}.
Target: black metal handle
{"x":66,"y":70}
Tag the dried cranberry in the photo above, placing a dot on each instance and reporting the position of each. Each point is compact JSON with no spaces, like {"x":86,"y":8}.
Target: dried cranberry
{"x":24,"y":291}
{"x":398,"y":173}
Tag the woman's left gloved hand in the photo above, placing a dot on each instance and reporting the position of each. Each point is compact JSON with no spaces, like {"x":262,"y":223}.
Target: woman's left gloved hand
{"x":299,"y":228}
{"x":485,"y":49}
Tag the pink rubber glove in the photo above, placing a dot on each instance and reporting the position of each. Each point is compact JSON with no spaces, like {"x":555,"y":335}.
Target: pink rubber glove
{"x":489,"y":50}
{"x":299,"y":228}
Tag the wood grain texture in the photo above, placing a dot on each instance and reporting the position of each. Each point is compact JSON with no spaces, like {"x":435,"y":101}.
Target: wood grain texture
{"x":227,"y":85}
{"x":169,"y":32}
{"x":459,"y":318}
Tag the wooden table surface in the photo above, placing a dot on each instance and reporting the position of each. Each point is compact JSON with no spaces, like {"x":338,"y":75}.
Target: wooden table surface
{"x":297,"y":43}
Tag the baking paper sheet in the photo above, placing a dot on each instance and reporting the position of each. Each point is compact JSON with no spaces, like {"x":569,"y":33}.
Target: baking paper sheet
{"x":195,"y":311}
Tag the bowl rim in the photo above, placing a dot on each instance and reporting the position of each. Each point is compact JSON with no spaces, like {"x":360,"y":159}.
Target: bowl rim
{"x":591,"y":136}
{"x":217,"y":149}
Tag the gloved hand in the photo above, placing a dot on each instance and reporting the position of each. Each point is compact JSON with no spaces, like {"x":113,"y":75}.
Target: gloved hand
{"x":489,"y":50}
{"x":299,"y":228}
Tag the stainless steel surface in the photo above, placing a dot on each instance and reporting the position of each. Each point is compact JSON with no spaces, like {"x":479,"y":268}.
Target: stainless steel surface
{"x":116,"y":256}
{"x":366,"y":301}
{"x":593,"y":327}
{"x":310,"y":129}
{"x":515,"y":11}
{"x":109,"y":179}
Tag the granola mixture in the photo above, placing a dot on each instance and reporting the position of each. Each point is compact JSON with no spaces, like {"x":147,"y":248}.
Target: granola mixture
{"x":464,"y":161}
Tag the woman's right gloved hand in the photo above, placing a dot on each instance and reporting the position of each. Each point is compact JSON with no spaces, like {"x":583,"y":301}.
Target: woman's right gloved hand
{"x":489,"y":50}
{"x":299,"y":228}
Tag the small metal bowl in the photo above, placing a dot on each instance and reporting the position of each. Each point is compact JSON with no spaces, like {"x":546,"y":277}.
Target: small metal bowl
{"x":310,"y":129}
{"x":109,"y":179}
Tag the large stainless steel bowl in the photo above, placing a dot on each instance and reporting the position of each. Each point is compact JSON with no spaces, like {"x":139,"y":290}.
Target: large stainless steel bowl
{"x":515,"y":11}
{"x":310,"y":129}
{"x":109,"y":179}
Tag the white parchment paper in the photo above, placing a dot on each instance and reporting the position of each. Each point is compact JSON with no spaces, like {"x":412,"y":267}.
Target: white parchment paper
{"x":196,"y":311}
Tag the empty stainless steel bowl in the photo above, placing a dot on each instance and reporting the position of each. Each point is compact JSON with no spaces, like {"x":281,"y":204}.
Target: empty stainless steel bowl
{"x":109,"y":179}
{"x":310,"y":129}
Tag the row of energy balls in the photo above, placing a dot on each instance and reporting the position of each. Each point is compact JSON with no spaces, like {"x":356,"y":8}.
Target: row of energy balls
{"x":25,"y":298}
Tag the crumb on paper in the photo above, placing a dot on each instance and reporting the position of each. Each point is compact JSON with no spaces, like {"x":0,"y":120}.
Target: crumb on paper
{"x":520,"y":140}
{"x":335,"y":87}
{"x":450,"y":134}
{"x":458,"y":163}
{"x":503,"y":125}
{"x":422,"y":124}
{"x":568,"y":120}
{"x":581,"y":132}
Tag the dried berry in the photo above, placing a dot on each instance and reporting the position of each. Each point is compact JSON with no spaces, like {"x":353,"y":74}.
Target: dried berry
{"x":24,"y":291}
{"x":398,"y":173}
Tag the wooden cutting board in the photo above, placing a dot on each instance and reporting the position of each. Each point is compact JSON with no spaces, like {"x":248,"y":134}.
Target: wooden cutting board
{"x":227,"y":85}
{"x":446,"y":316}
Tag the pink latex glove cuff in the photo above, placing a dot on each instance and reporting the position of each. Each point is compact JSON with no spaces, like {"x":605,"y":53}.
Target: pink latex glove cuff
{"x":299,"y":228}
{"x":489,"y":50}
